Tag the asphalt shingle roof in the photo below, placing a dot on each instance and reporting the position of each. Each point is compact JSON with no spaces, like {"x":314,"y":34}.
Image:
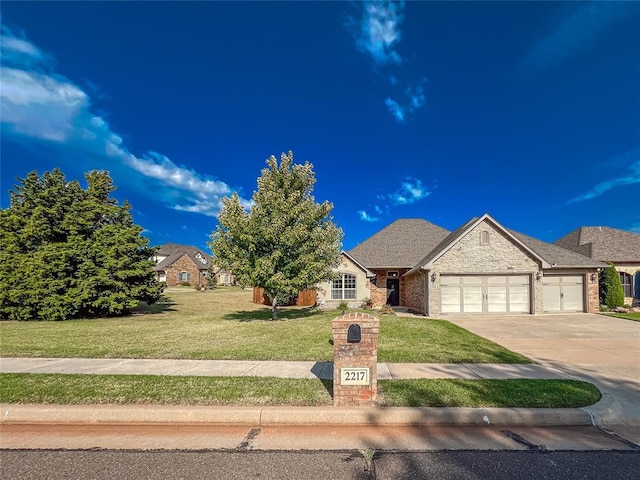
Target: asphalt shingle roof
{"x":412,"y":243}
{"x":555,"y":254}
{"x":400,"y":244}
{"x":174,"y":251}
{"x":603,"y":243}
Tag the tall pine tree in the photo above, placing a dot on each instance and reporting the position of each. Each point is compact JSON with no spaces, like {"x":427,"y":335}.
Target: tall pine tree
{"x":68,"y":252}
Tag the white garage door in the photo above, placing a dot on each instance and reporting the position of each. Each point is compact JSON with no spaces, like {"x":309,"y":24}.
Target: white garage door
{"x":563,"y":293}
{"x":485,"y":294}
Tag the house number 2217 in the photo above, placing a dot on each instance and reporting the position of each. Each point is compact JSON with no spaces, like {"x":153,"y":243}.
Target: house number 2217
{"x":354,"y":376}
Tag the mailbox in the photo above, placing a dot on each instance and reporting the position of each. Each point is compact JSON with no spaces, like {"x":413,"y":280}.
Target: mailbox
{"x":354,"y":334}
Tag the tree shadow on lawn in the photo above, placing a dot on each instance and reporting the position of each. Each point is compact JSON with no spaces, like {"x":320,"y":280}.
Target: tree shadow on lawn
{"x":264,"y":314}
{"x":161,"y":306}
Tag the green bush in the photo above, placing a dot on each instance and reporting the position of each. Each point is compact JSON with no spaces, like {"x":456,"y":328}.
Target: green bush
{"x":611,"y":293}
{"x":343,"y":306}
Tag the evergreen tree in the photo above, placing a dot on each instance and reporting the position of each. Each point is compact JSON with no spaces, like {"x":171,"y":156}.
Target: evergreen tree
{"x":287,"y":242}
{"x":67,"y":252}
{"x":611,"y":293}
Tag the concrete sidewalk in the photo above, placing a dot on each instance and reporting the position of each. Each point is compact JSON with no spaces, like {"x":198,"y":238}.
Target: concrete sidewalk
{"x":280,"y":369}
{"x":279,"y":415}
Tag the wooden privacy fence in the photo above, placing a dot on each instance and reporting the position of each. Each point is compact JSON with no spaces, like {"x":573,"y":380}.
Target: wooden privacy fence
{"x":306,"y":298}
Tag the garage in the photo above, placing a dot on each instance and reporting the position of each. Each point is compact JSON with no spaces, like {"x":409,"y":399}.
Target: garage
{"x":486,"y":293}
{"x":563,"y":293}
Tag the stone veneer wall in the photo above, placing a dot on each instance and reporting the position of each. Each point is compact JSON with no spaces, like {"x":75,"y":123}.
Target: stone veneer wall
{"x":363,"y":286}
{"x":500,"y":256}
{"x":631,"y":270}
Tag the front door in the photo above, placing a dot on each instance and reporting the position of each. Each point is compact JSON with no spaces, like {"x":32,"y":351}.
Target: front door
{"x":393,"y":291}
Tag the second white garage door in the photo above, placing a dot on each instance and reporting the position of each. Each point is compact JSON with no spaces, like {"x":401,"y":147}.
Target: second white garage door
{"x":486,"y":294}
{"x":563,"y":293}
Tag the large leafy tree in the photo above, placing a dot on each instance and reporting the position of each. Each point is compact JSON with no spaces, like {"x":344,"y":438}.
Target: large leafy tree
{"x":287,"y":242}
{"x":69,"y":252}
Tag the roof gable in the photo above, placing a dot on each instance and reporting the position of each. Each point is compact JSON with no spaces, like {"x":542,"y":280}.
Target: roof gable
{"x":463,"y":230}
{"x":174,"y":251}
{"x":400,"y":244}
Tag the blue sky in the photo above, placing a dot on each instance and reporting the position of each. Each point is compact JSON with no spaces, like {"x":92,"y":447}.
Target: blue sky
{"x":529,"y":111}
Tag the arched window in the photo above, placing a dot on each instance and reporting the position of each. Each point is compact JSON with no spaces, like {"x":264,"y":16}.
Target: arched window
{"x":627,"y":284}
{"x":184,"y":277}
{"x":344,"y":287}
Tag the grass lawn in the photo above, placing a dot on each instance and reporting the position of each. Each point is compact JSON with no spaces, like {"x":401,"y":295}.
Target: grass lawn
{"x":635,"y":316}
{"x":224,"y":324}
{"x":147,"y":389}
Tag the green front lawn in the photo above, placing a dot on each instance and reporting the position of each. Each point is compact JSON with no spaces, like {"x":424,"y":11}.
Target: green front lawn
{"x":252,"y":391}
{"x":635,"y":316}
{"x":223,"y":324}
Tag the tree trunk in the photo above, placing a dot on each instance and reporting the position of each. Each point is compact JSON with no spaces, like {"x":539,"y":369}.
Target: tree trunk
{"x":274,"y":308}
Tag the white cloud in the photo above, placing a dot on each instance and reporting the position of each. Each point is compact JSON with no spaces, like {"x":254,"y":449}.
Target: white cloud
{"x":630,"y":176}
{"x":414,"y":100}
{"x":396,"y":110}
{"x":409,"y":192}
{"x":364,"y":216}
{"x":416,"y":97}
{"x":44,"y":106}
{"x":578,"y":32}
{"x":377,"y":31}
{"x":377,"y":34}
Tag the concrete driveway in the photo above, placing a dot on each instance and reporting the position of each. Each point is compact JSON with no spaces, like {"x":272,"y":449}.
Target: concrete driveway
{"x":603,"y":350}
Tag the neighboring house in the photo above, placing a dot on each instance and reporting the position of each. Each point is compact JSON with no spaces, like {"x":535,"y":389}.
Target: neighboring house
{"x":180,"y":264}
{"x":610,"y":245}
{"x":480,"y":268}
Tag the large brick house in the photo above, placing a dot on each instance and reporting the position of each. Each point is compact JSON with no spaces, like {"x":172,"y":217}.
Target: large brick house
{"x":610,"y":245}
{"x":180,"y":264}
{"x":480,"y":268}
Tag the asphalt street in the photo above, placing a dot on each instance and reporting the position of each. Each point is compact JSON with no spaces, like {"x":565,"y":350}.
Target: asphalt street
{"x":335,"y":465}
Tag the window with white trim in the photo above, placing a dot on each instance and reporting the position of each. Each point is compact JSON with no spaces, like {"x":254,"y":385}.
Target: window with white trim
{"x":184,"y":277}
{"x":484,"y":237}
{"x":344,"y":287}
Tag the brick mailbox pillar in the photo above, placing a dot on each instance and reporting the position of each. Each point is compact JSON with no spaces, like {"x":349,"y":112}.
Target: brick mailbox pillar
{"x":355,"y":359}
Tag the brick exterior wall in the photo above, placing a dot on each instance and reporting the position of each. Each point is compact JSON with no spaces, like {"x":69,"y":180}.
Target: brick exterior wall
{"x":185,"y":264}
{"x":593,"y":292}
{"x":363,"y":354}
{"x":414,"y":291}
{"x":379,"y":290}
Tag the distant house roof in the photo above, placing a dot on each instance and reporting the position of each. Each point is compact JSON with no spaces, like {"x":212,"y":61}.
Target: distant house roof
{"x":401,"y":244}
{"x":603,"y":243}
{"x":555,"y":255}
{"x":174,"y":251}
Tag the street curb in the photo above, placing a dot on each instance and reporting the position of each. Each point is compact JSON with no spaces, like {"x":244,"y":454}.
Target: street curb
{"x":12,"y":414}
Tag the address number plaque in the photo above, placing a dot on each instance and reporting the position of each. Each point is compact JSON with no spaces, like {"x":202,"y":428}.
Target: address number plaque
{"x":354,"y":376}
